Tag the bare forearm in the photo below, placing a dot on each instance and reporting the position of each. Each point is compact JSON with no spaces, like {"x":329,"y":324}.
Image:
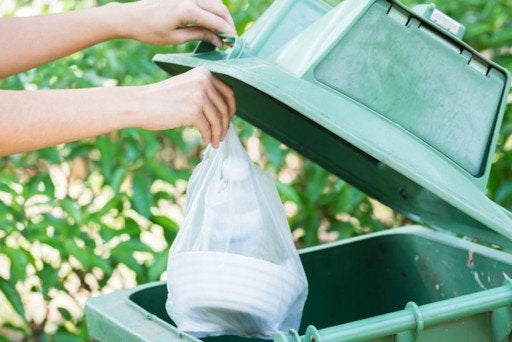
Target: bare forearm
{"x":31,"y":41}
{"x":27,"y":42}
{"x":35,"y":119}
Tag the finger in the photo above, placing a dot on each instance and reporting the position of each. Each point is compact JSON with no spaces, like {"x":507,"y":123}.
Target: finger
{"x":222,"y":107}
{"x":204,"y":128}
{"x":187,"y":34}
{"x":211,"y":21}
{"x":214,"y":118}
{"x":217,"y":8}
{"x":227,"y":93}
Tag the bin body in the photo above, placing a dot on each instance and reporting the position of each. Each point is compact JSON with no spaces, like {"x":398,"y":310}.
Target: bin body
{"x":350,"y":280}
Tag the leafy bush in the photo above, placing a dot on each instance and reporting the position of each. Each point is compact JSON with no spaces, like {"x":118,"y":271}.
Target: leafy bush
{"x":98,"y":215}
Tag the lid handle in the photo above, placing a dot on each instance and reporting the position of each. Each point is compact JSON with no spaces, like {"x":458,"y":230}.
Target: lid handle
{"x":450,"y":25}
{"x":236,"y":44}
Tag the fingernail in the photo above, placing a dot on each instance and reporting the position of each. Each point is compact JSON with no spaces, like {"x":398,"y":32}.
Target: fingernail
{"x":217,"y":43}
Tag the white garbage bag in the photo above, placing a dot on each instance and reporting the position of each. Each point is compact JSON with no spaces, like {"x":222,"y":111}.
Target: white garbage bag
{"x":233,"y":268}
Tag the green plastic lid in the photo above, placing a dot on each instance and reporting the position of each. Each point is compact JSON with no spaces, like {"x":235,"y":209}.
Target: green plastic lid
{"x":389,"y":99}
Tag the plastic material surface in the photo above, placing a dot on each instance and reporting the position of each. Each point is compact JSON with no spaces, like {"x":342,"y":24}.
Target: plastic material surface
{"x":365,"y":284}
{"x":404,"y":128}
{"x":402,"y":134}
{"x":233,"y":267}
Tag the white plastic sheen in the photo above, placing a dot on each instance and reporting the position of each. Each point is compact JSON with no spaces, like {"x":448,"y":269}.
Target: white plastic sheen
{"x":233,"y":268}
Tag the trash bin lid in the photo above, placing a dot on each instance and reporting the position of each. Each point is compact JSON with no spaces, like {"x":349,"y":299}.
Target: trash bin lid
{"x":389,"y":99}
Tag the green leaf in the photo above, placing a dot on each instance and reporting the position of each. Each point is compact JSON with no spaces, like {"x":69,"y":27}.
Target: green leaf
{"x":107,"y":233}
{"x":504,"y":60}
{"x":9,"y":290}
{"x":273,"y":149}
{"x":7,"y":178}
{"x":125,"y":256}
{"x":59,"y":224}
{"x":49,"y":187}
{"x":50,"y":153}
{"x":12,"y":327}
{"x":7,"y":189}
{"x":167,"y":174}
{"x":316,"y":183}
{"x":123,"y":253}
{"x":131,"y":152}
{"x":288,"y":193}
{"x":114,"y":202}
{"x":65,"y":313}
{"x":79,"y":149}
{"x":72,"y":209}
{"x":344,"y":229}
{"x":131,"y":227}
{"x":501,"y":36}
{"x":163,"y":195}
{"x":65,"y":336}
{"x":101,"y":263}
{"x":368,"y":221}
{"x":141,"y":194}
{"x":49,"y":278}
{"x":504,"y":192}
{"x":118,"y":178}
{"x":81,"y":254}
{"x":133,"y":245}
{"x":170,"y":227}
{"x":107,"y":150}
{"x":157,"y":267}
{"x":150,"y":143}
{"x":19,"y":263}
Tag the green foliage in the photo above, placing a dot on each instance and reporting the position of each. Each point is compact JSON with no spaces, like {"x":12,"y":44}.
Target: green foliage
{"x":100,"y":214}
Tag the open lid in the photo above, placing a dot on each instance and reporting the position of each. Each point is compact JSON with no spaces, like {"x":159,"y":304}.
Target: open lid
{"x":388,"y":99}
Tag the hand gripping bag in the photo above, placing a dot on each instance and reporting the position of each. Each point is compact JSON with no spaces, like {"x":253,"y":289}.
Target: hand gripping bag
{"x":233,"y":268}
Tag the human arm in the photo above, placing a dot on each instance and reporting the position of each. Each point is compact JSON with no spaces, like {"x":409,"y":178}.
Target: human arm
{"x":33,"y":41}
{"x":35,"y":119}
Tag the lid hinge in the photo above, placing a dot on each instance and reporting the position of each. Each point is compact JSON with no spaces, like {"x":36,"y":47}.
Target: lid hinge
{"x":448,"y":24}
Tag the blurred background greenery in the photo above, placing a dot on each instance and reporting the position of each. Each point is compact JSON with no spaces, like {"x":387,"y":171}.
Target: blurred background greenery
{"x":99,"y":215}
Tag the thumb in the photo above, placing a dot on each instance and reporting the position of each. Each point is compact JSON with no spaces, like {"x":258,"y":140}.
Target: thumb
{"x":187,"y":34}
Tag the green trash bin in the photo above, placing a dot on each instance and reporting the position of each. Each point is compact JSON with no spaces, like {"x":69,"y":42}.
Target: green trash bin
{"x":392,"y":101}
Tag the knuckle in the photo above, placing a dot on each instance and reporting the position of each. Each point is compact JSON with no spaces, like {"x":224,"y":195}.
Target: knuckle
{"x":203,"y":75}
{"x":205,"y":71}
{"x":203,"y":95}
{"x":203,"y":81}
{"x":207,"y":36}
